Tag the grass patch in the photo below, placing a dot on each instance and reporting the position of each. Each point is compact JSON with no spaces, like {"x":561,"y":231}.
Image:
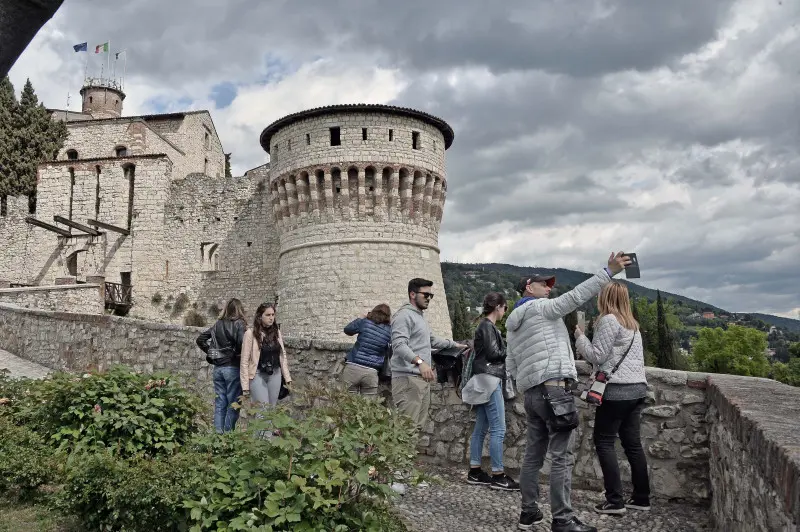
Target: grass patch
{"x":21,"y":517}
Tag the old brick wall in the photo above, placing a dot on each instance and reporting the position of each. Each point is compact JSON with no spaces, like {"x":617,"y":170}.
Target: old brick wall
{"x":755,"y":456}
{"x":356,"y":221}
{"x":94,"y":139}
{"x":81,"y":298}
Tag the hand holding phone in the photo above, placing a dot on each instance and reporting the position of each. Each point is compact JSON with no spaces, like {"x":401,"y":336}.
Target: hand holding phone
{"x":632,"y":270}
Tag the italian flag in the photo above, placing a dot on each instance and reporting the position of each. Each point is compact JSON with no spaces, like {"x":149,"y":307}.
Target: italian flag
{"x":101,"y":48}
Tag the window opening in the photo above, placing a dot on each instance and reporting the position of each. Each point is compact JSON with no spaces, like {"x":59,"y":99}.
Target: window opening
{"x":415,"y":140}
{"x":336,"y":136}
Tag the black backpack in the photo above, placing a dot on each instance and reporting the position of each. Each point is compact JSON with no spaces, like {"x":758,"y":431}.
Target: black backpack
{"x":219,"y":356}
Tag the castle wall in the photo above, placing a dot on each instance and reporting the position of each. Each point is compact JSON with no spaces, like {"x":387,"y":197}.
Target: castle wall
{"x":80,"y":298}
{"x":290,"y":147}
{"x":226,"y":245}
{"x":98,"y":139}
{"x":356,"y":221}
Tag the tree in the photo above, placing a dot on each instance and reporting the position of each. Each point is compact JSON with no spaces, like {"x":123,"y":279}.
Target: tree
{"x":736,"y":351}
{"x":462,"y":330}
{"x":9,"y":110}
{"x":28,"y":136}
{"x":794,"y":350}
{"x":40,"y":138}
{"x":787,"y":373}
{"x":665,"y":354}
{"x":228,"y":165}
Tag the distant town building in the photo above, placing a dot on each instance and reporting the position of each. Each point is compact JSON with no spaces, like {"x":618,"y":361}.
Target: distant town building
{"x":708,"y":315}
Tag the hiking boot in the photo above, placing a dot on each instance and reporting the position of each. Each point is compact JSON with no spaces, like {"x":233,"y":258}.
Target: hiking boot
{"x":641,"y":505}
{"x":504,"y":482}
{"x":528,"y":519}
{"x":479,"y":477}
{"x":610,"y":508}
{"x":573,"y":524}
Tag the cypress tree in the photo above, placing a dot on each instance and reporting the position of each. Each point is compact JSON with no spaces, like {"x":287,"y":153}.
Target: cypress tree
{"x":41,"y":138}
{"x":8,"y":137}
{"x":665,"y":354}
{"x":462,"y":330}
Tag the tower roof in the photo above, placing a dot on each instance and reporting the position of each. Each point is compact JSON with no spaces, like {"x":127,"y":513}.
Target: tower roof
{"x":438,"y":123}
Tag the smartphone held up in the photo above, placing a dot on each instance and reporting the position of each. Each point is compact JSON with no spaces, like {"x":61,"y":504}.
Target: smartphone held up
{"x":632,"y":269}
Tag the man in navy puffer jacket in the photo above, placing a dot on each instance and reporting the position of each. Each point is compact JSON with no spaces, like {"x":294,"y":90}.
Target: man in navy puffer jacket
{"x":366,"y":358}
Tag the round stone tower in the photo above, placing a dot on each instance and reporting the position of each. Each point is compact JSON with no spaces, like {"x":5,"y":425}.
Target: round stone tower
{"x":357,"y":193}
{"x":102,"y":98}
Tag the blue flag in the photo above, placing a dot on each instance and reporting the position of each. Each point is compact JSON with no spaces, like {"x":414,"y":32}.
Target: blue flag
{"x":82,"y":47}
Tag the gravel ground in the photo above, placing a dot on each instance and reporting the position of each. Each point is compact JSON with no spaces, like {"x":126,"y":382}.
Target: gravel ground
{"x":453,"y":505}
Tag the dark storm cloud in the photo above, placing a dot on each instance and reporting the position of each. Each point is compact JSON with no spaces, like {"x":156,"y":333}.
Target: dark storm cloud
{"x":565,"y":113}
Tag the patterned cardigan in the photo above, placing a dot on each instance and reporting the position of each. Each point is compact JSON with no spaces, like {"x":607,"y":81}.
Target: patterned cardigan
{"x":609,"y":343}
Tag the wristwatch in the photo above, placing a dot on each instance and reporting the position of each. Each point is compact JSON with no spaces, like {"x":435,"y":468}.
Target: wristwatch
{"x":418,"y":361}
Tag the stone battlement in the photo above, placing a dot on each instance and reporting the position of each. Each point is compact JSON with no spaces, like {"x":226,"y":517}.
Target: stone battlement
{"x":719,"y":438}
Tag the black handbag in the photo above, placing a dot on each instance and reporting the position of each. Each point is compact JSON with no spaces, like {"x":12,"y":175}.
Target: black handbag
{"x":563,"y":413}
{"x":284,"y":391}
{"x":385,"y":373}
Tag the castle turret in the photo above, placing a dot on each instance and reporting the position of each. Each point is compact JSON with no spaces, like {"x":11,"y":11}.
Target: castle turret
{"x":357,"y":194}
{"x":102,"y":98}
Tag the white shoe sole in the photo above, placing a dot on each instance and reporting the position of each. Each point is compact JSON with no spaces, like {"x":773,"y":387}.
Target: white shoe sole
{"x":615,"y":511}
{"x":639,"y":508}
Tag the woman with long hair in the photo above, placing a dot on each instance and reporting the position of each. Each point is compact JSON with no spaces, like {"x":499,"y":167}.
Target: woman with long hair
{"x":223,"y":345}
{"x":615,"y":334}
{"x":367,"y":356}
{"x":264,"y":363}
{"x":488,"y":372}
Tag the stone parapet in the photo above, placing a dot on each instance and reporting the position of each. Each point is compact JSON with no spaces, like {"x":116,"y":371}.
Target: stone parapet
{"x":755,"y":454}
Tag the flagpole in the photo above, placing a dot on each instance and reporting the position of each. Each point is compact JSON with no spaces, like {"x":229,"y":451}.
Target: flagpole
{"x":124,"y":68}
{"x":108,"y":56}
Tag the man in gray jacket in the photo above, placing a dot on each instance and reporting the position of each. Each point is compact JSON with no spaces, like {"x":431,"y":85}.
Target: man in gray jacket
{"x":412,"y":341}
{"x":541,"y":362}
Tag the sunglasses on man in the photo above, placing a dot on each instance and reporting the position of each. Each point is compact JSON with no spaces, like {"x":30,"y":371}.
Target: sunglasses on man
{"x":427,"y":295}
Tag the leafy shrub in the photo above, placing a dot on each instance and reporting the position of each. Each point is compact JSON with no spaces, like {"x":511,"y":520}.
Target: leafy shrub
{"x":214,"y":311}
{"x":110,"y":493}
{"x":26,"y":461}
{"x":128,"y":412}
{"x":194,"y":319}
{"x":329,"y":469}
{"x":157,"y":299}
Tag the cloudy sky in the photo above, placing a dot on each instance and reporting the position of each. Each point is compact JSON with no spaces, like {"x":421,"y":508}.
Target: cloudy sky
{"x":667,"y":128}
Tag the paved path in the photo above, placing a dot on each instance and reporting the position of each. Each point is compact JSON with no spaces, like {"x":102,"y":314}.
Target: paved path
{"x":19,"y":367}
{"x":457,"y":506}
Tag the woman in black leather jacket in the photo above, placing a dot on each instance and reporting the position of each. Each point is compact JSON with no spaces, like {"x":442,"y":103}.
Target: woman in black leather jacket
{"x":489,"y":370}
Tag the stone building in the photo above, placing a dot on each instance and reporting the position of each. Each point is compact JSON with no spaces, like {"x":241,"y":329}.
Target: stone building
{"x":345,"y":213}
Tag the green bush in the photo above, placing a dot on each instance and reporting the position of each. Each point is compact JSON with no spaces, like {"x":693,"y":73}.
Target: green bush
{"x":194,"y":319}
{"x":26,"y":461}
{"x":107,"y":492}
{"x":121,"y":410}
{"x":329,"y":468}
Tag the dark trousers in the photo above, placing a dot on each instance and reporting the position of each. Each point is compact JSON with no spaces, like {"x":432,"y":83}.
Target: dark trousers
{"x":621,"y":418}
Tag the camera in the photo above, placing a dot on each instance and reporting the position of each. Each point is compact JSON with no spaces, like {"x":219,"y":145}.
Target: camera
{"x":595,"y":394}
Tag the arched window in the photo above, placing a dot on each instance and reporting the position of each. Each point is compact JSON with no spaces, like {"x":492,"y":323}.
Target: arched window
{"x":121,"y":151}
{"x":72,"y":155}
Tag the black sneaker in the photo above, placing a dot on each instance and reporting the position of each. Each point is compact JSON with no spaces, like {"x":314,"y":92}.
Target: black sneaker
{"x":504,"y":482}
{"x":479,"y":477}
{"x":609,"y":508}
{"x":572,"y":524}
{"x":528,"y":519}
{"x":633,"y":504}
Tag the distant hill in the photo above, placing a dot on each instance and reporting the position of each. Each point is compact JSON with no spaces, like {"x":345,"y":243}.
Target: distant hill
{"x":788,"y":324}
{"x":477,"y":279}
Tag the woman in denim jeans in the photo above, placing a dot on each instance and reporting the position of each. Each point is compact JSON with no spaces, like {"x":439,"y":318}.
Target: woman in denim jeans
{"x":228,"y":331}
{"x":488,"y":372}
{"x":620,"y":413}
